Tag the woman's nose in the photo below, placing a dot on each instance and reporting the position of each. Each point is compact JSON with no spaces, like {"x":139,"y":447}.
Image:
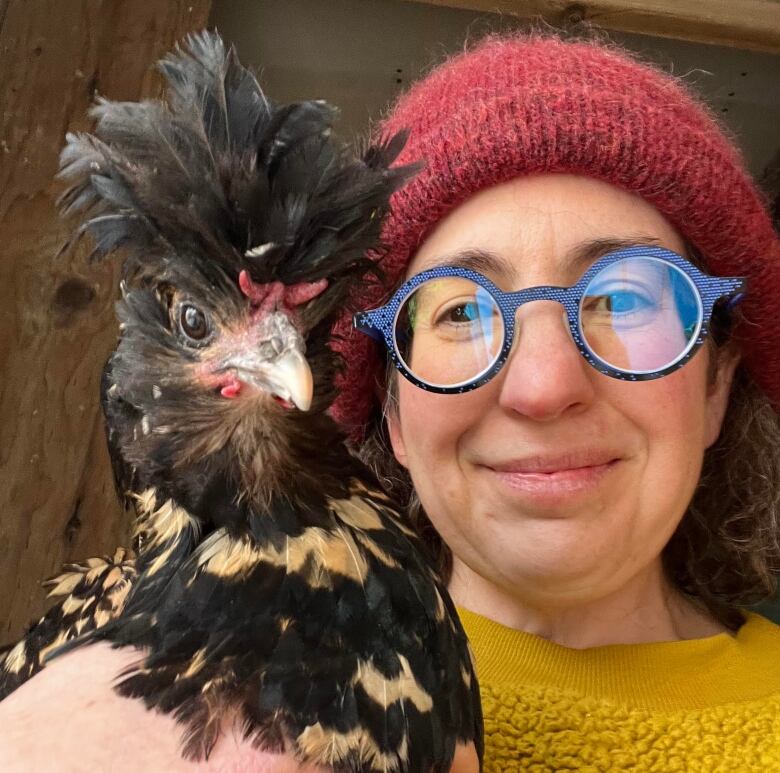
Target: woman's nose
{"x":545,"y":375}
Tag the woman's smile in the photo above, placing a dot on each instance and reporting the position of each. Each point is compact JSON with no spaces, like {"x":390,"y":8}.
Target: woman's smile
{"x":551,"y":480}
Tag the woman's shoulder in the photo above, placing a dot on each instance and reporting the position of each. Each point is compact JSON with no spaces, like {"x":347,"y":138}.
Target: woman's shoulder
{"x":759,"y":627}
{"x":758,"y":643}
{"x":69,"y":712}
{"x":758,"y":640}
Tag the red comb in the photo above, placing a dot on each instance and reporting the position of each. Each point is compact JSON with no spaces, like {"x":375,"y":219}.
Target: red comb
{"x":267,"y":296}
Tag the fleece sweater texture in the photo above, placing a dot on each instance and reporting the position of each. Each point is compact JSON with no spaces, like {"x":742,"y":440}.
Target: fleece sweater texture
{"x":708,"y":704}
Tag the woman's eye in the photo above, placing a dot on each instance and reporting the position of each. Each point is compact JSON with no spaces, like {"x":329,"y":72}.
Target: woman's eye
{"x":193,"y":322}
{"x":461,"y":313}
{"x":619,"y":302}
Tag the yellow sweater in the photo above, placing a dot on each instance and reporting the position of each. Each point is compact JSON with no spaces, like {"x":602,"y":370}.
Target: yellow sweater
{"x":704,"y":705}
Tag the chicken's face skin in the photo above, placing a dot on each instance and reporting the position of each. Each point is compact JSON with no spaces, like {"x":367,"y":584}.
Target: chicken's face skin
{"x":210,"y":377}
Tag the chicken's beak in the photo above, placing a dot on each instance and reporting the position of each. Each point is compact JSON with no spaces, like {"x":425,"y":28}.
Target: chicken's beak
{"x":275,"y":363}
{"x":292,"y":374}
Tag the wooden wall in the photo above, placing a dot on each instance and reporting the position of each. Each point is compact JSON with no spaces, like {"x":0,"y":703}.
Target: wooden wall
{"x":57,"y":327}
{"x":749,"y":24}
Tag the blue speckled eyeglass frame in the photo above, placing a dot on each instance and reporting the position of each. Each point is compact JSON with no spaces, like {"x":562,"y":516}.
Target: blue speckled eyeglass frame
{"x":380,"y":323}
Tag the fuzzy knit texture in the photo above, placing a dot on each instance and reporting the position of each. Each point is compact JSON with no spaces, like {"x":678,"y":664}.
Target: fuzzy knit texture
{"x":702,"y":705}
{"x":517,"y":106}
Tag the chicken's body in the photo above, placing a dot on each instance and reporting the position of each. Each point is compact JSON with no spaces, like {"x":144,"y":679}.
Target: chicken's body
{"x":273,"y":577}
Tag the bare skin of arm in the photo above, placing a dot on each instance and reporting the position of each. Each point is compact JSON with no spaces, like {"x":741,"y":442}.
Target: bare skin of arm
{"x":68,"y":719}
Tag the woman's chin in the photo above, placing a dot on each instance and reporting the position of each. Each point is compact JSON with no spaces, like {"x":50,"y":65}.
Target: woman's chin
{"x":547,"y":555}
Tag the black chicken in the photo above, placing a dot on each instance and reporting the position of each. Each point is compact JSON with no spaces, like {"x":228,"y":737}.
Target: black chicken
{"x":273,"y":577}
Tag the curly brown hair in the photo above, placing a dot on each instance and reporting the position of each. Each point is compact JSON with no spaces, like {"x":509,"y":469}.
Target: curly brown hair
{"x":725,"y":553}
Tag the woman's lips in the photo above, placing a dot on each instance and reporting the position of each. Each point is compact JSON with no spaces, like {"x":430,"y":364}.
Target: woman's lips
{"x":554,"y":479}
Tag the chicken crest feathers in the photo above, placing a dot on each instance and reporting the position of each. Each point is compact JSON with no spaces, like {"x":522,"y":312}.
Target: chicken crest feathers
{"x":220,"y":173}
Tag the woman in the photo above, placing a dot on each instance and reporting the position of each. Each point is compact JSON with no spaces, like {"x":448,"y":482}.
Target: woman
{"x":605,"y":506}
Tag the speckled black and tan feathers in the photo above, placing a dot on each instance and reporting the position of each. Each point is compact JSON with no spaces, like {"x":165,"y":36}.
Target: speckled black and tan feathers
{"x":335,"y":642}
{"x":275,"y":582}
{"x":88,"y":594}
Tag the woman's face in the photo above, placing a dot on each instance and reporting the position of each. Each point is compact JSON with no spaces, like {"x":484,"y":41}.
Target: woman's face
{"x":553,"y":480}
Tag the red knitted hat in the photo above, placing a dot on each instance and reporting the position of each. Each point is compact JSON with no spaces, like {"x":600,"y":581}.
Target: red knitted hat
{"x":524,"y":105}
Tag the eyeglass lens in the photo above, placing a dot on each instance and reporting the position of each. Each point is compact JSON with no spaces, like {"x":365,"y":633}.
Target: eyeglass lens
{"x":640,"y":315}
{"x":637,"y":315}
{"x":449,"y":331}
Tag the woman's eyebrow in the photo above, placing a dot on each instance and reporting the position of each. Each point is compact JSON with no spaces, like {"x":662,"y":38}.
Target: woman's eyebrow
{"x":483,"y":261}
{"x":583,"y":254}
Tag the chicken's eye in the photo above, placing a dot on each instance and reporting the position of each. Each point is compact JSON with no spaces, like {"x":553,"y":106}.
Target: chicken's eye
{"x":193,"y":323}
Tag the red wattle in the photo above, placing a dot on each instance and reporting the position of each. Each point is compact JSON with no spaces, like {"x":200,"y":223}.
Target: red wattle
{"x":231,"y":389}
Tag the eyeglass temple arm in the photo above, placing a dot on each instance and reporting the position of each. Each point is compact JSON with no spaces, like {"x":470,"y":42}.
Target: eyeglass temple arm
{"x":363,"y":322}
{"x":735,"y":293}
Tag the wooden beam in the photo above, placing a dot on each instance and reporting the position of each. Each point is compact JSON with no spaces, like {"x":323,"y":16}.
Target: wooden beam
{"x":750,"y":24}
{"x":57,"y":500}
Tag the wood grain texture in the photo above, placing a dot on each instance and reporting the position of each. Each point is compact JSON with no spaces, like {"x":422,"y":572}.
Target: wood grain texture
{"x":749,"y":24}
{"x":57,"y":500}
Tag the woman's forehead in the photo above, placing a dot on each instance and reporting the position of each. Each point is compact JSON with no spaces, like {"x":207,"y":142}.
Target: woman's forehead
{"x":546,"y":228}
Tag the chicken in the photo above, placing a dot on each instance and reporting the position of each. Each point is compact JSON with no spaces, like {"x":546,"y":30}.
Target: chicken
{"x":273,"y":576}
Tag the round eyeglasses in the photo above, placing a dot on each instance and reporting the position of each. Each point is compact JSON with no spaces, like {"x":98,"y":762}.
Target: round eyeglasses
{"x":636,"y":314}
